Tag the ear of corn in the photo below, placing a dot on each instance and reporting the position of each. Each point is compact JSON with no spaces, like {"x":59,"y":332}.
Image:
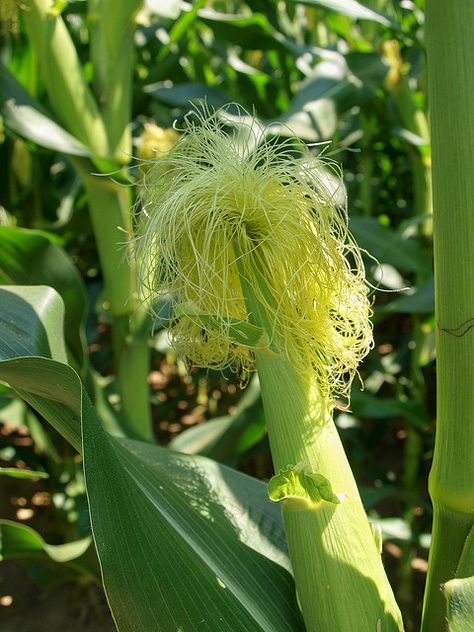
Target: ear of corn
{"x":256,"y":257}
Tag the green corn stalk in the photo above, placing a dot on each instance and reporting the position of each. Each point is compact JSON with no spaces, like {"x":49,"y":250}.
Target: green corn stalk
{"x":414,"y":119}
{"x":449,"y":36}
{"x":70,"y":96}
{"x":102,"y":124}
{"x":111,"y":31}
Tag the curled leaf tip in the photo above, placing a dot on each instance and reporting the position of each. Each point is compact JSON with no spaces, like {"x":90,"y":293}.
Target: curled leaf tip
{"x":227,"y":203}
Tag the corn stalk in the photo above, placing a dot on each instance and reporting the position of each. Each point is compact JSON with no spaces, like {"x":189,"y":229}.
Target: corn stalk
{"x":101,"y":122}
{"x":449,"y":35}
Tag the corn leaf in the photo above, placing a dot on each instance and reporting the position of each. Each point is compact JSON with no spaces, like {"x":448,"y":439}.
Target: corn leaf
{"x":31,"y":322}
{"x":19,"y":540}
{"x":389,"y":246}
{"x":421,"y":301}
{"x":338,"y":84}
{"x":48,"y":563}
{"x":23,"y":115}
{"x":28,"y":256}
{"x":184,"y":543}
{"x":18,"y":472}
{"x":460,"y":604}
{"x":351,"y":8}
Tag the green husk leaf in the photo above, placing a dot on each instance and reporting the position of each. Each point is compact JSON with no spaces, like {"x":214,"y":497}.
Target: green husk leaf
{"x":459,"y":595}
{"x":298,"y":482}
{"x":239,"y":331}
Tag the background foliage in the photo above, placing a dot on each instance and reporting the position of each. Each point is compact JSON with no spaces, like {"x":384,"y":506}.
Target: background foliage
{"x":327,"y":70}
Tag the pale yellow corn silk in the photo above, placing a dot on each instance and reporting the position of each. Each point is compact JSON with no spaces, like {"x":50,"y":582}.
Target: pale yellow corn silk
{"x":211,"y":193}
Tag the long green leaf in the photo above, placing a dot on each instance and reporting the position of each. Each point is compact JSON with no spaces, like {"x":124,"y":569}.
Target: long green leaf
{"x":184,"y":543}
{"x":18,"y":472}
{"x":185,"y":539}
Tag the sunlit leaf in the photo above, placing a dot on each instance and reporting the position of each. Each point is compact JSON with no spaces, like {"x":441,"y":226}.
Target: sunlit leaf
{"x":351,"y":8}
{"x":26,"y":117}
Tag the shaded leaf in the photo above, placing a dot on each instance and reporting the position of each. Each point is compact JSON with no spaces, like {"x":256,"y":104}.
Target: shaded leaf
{"x":363,"y":404}
{"x":251,"y":32}
{"x":339,"y":83}
{"x":14,"y":412}
{"x":18,"y":540}
{"x":30,"y":257}
{"x":31,"y":322}
{"x":183,"y":94}
{"x":420,"y":302}
{"x":388,"y":246}
{"x":48,"y":563}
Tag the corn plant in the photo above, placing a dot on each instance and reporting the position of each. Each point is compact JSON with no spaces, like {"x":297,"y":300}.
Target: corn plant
{"x":245,"y":236}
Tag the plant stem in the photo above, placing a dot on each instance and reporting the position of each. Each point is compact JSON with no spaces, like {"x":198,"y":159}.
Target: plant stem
{"x":61,"y":68}
{"x":449,"y":34}
{"x":367,"y":163}
{"x":111,"y":30}
{"x":109,"y":207}
{"x":104,"y":128}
